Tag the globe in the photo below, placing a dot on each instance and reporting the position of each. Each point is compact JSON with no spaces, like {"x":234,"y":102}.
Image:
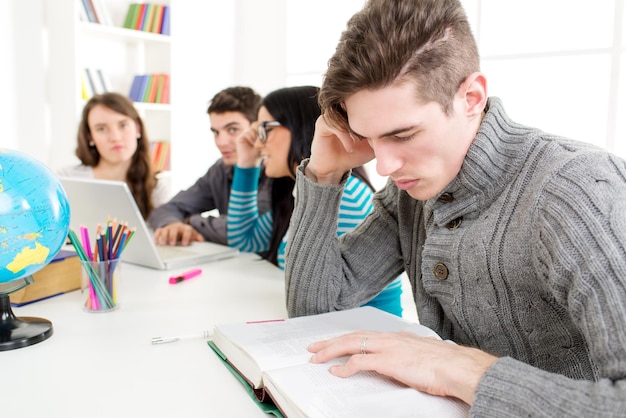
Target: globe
{"x":34,"y":223}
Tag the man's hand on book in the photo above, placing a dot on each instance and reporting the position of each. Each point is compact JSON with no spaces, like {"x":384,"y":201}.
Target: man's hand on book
{"x":423,"y":363}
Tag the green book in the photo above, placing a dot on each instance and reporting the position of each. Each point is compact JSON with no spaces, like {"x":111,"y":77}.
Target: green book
{"x":258,"y":396}
{"x":131,"y":16}
{"x":146,"y":92}
{"x":159,"y":91}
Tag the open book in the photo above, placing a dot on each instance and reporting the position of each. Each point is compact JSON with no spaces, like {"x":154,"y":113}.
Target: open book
{"x":272,"y":357}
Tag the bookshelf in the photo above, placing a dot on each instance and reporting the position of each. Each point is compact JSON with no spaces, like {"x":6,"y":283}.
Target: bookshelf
{"x":119,"y":53}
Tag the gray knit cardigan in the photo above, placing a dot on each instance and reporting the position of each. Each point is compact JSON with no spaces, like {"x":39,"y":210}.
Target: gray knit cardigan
{"x":523,"y":255}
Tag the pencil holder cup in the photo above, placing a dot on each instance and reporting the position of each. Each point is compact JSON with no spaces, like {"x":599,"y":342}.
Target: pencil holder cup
{"x":99,"y":285}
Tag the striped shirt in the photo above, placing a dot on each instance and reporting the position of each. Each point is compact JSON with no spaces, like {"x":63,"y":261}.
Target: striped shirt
{"x":248,"y":231}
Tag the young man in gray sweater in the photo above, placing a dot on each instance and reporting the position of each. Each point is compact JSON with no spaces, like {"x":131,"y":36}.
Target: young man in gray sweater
{"x":182,"y":220}
{"x":514,"y":240}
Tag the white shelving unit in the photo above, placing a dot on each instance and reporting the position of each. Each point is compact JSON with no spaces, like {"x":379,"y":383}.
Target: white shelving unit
{"x":50,"y":50}
{"x":119,"y":52}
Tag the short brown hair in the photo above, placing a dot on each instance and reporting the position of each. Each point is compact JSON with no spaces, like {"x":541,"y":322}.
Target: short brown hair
{"x":236,"y":99}
{"x":426,"y":42}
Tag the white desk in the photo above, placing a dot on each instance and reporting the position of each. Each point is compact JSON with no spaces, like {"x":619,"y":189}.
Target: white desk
{"x":104,"y":365}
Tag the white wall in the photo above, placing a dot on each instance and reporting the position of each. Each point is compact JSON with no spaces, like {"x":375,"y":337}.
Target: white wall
{"x":260,"y":46}
{"x":23,"y":112}
{"x":555,"y":70}
{"x":203,"y":56}
{"x":7,"y":75}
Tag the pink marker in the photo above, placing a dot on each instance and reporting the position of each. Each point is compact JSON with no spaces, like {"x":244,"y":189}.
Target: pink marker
{"x":186,"y":275}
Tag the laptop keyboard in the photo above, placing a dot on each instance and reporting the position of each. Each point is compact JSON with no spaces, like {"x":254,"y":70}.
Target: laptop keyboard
{"x":169,"y":252}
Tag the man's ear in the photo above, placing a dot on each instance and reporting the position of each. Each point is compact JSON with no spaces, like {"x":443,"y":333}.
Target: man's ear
{"x":473,"y":91}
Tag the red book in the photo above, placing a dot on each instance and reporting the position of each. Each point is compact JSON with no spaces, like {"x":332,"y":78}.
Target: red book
{"x":140,"y":16}
{"x":164,"y":161}
{"x":156,"y":155}
{"x":165,"y":98}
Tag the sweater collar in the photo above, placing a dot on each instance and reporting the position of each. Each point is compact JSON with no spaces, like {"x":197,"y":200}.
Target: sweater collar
{"x":492,"y":161}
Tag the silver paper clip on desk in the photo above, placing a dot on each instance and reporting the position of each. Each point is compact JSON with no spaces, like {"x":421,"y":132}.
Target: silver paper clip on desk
{"x":164,"y":340}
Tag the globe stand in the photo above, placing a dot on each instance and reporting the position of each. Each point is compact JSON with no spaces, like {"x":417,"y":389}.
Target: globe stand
{"x":23,"y":331}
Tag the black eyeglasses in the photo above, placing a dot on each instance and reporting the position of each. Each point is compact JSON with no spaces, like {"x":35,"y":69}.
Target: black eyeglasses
{"x":262,"y":130}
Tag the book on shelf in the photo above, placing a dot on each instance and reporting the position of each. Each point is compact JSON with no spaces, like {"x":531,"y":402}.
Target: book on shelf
{"x":143,"y":87}
{"x":148,"y":20}
{"x":150,"y":88}
{"x":104,"y":80}
{"x":89,"y":11}
{"x":165,"y":26}
{"x":159,"y":82}
{"x":164,"y":95}
{"x":84,"y":93}
{"x":98,"y":85}
{"x":152,"y":94}
{"x":160,"y":151}
{"x":61,"y":275}
{"x":148,"y":17}
{"x":102,"y":12}
{"x":94,"y":11}
{"x":141,"y":15}
{"x":271,"y":359}
{"x":158,"y":18}
{"x":87,"y":88}
{"x":140,"y":88}
{"x":94,"y":81}
{"x":135,"y":87}
{"x":131,"y":16}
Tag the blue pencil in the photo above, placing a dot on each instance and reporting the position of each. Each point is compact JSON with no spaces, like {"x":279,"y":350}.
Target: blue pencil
{"x":120,"y":245}
{"x":110,"y":240}
{"x":100,"y":244}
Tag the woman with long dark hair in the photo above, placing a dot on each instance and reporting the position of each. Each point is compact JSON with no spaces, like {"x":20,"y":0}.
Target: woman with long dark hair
{"x":277,"y":143}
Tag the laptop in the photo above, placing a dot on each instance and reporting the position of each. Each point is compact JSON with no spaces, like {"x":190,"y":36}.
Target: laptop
{"x":92,"y":202}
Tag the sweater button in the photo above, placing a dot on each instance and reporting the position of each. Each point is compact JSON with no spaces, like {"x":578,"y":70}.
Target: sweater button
{"x":445,"y":198}
{"x":455,"y":223}
{"x":441,"y":271}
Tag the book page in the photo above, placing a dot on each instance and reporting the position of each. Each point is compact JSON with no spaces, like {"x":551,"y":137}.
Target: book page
{"x":310,"y":390}
{"x":257,"y":346}
{"x":254,"y":347}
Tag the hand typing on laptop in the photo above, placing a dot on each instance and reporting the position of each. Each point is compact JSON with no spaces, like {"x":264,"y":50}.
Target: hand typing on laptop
{"x":177,"y":233}
{"x":91,"y":201}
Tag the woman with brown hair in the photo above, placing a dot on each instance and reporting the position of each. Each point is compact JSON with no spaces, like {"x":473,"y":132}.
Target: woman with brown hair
{"x":113,"y":145}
